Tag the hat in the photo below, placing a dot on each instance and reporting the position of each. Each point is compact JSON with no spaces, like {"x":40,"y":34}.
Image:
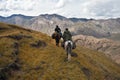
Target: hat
{"x":66,"y":29}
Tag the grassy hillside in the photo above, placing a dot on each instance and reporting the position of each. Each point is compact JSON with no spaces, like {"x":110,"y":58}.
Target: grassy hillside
{"x":30,"y":55}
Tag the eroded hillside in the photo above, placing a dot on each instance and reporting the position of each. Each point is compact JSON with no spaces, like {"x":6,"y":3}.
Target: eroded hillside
{"x":31,"y":55}
{"x":109,"y":47}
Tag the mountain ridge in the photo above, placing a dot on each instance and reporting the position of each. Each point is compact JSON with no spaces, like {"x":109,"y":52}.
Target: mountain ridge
{"x":109,"y":47}
{"x":102,"y":27}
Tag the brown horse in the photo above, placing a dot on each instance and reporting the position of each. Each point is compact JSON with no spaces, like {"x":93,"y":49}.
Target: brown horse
{"x":57,"y":38}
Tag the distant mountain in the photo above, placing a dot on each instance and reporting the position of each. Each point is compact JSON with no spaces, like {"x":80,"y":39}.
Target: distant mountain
{"x":16,"y":19}
{"x":97,"y":28}
{"x":1,"y":17}
{"x":109,"y":47}
{"x":50,"y":16}
{"x":30,"y":55}
{"x":19,"y":15}
{"x":80,"y":19}
{"x":14,"y":16}
{"x":46,"y":23}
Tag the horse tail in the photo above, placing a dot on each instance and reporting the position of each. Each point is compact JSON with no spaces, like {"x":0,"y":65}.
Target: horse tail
{"x":69,"y":50}
{"x":69,"y":45}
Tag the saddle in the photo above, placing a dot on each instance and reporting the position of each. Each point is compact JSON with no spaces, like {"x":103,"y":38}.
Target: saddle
{"x":73,"y":46}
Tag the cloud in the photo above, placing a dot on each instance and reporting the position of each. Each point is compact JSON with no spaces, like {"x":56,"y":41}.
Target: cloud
{"x":33,"y":7}
{"x":60,"y":4}
{"x":89,"y":8}
{"x":68,"y":8}
{"x":102,"y":9}
{"x":11,"y":5}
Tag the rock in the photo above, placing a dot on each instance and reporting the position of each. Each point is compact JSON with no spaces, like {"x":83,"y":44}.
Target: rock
{"x":15,"y":45}
{"x":2,"y":75}
{"x":14,"y":66}
{"x":18,"y":37}
{"x":16,"y":49}
{"x":38,"y":44}
{"x":1,"y":54}
{"x":86,"y":72}
{"x":73,"y":54}
{"x":15,"y":52}
{"x":2,"y":28}
{"x":109,"y":77}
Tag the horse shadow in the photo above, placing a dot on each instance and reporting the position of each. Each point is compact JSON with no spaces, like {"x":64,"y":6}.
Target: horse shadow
{"x":73,"y":54}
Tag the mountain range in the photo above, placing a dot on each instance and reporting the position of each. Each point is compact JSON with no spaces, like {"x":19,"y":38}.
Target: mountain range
{"x":46,"y":23}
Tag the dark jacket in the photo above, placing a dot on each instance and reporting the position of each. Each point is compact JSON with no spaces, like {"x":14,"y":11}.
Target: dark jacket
{"x":67,"y":35}
{"x":57,"y":29}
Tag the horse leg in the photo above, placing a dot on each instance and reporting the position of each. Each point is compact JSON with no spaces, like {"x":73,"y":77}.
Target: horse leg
{"x":69,"y":53}
{"x":57,"y":42}
{"x":69,"y":57}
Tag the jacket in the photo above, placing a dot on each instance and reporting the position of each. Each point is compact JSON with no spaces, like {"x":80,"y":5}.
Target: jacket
{"x":67,"y":35}
{"x":58,"y":29}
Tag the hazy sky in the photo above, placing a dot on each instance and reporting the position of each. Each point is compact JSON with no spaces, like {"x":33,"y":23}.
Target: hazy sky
{"x":68,"y":8}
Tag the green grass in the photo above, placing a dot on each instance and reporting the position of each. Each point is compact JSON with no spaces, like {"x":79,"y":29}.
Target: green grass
{"x":49,"y":62}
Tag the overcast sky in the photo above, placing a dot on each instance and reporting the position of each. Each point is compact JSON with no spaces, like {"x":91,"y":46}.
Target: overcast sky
{"x":67,"y":8}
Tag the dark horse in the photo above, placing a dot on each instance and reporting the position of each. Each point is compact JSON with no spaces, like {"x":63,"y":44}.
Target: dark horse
{"x":57,"y":37}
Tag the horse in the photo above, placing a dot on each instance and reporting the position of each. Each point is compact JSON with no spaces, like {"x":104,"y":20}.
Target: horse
{"x":68,"y":45}
{"x":57,"y":36}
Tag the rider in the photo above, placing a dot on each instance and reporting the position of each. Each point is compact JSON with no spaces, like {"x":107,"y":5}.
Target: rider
{"x":58,"y":30}
{"x":57,"y":38}
{"x":67,"y":35}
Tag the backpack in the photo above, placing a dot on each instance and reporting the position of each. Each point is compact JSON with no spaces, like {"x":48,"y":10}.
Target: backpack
{"x":62,"y":44}
{"x":74,"y":45}
{"x":53,"y":36}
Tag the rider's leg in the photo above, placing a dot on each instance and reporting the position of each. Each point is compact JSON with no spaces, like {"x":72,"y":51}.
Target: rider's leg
{"x":57,"y":42}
